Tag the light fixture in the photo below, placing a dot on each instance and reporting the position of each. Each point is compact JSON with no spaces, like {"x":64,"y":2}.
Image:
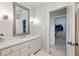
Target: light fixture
{"x":34,"y":21}
{"x":5,"y":16}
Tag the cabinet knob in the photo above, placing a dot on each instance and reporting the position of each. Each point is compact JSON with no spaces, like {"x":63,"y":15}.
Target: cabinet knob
{"x":1,"y":34}
{"x":29,"y":47}
{"x":11,"y":50}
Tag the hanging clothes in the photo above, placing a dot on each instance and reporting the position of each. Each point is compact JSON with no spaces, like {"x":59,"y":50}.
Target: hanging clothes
{"x":58,"y":28}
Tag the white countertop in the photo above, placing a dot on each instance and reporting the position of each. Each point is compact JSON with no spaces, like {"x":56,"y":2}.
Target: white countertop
{"x":16,"y":40}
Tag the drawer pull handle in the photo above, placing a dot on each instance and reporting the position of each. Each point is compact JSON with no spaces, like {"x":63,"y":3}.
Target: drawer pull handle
{"x":11,"y":50}
{"x":29,"y":47}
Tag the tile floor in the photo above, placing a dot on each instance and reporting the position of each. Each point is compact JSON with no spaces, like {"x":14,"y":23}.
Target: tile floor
{"x":58,"y":51}
{"x":60,"y":41}
{"x":60,"y":47}
{"x":41,"y":53}
{"x":54,"y":52}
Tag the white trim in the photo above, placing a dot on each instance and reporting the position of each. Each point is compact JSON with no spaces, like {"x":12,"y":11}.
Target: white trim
{"x":59,"y":16}
{"x":58,"y":8}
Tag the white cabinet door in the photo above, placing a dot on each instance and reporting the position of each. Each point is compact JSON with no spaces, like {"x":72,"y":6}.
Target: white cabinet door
{"x":26,"y":51}
{"x":14,"y":53}
{"x":37,"y":44}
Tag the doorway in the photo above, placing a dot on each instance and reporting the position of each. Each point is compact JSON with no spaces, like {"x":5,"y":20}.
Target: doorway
{"x":58,"y":32}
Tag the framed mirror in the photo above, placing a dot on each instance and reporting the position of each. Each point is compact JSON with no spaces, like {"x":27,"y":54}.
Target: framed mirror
{"x":21,"y":24}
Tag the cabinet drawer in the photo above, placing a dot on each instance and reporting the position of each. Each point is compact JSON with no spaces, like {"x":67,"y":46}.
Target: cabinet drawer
{"x":26,"y":44}
{"x":16,"y":53}
{"x":9,"y":50}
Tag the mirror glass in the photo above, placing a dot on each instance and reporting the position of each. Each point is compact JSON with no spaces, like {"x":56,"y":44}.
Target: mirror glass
{"x":21,"y":20}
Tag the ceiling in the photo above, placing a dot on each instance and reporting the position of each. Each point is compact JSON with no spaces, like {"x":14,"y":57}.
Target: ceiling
{"x":36,"y":4}
{"x":33,"y":4}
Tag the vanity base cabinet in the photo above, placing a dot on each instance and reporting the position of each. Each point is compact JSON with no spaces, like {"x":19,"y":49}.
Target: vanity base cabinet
{"x":23,"y":49}
{"x":30,"y":49}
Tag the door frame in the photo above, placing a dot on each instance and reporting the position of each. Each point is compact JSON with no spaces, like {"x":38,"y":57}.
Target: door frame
{"x":54,"y":23}
{"x":48,"y":41}
{"x":53,"y":19}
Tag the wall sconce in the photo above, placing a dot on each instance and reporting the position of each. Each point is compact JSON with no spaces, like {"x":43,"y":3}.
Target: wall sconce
{"x":5,"y":16}
{"x":32,"y":22}
{"x":35,"y":21}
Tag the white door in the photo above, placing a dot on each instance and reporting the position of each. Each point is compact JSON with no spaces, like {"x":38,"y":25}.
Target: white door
{"x":70,"y":30}
{"x":77,"y":32}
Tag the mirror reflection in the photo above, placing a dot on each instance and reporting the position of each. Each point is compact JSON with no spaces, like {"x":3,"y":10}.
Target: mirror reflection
{"x":21,"y":20}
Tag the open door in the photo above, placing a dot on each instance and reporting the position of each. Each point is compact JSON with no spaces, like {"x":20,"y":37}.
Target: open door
{"x":77,"y":32}
{"x":70,"y":30}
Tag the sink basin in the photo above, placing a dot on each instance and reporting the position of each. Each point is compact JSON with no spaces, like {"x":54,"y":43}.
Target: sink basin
{"x":1,"y":39}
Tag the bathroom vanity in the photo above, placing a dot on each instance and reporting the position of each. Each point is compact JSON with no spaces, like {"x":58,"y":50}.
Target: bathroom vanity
{"x":21,"y":46}
{"x":22,"y":43}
